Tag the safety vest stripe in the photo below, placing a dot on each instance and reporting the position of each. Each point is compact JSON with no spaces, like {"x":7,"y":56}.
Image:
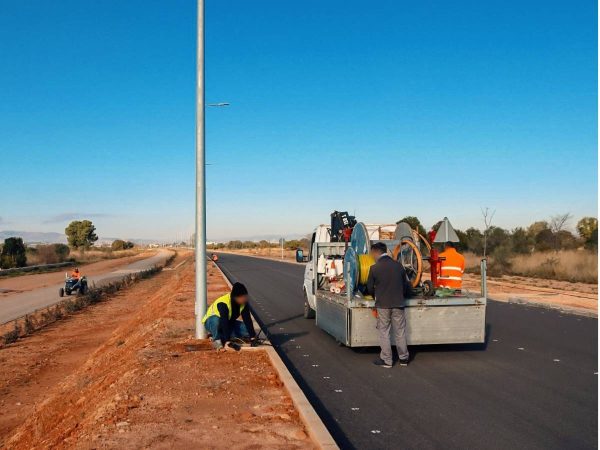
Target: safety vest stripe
{"x":452,"y":268}
{"x":449,"y":278}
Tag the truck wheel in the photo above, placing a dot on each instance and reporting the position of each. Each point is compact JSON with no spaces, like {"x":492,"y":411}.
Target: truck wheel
{"x":68,"y":292}
{"x":309,"y":313}
{"x":61,"y":292}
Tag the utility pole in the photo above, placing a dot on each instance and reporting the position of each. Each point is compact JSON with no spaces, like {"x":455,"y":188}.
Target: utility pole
{"x":200,"y":306}
{"x":282,"y":248}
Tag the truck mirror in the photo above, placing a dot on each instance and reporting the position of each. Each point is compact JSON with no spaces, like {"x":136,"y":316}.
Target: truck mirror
{"x":299,"y":255}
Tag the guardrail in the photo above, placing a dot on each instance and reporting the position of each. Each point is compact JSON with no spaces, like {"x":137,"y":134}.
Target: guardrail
{"x":33,"y":268}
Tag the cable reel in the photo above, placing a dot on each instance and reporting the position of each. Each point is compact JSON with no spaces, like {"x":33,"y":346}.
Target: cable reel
{"x":407,"y":252}
{"x":357,"y":260}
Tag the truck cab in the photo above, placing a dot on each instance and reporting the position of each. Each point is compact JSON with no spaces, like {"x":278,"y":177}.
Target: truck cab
{"x":320,"y":234}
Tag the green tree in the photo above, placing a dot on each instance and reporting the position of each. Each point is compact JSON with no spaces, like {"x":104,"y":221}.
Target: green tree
{"x":13,"y":253}
{"x":62,"y":251}
{"x":415,"y":224}
{"x":587,"y":228}
{"x":536,"y":227}
{"x":81,"y":234}
{"x":521,"y":241}
{"x":592,"y":242}
{"x":462,"y":241}
{"x":565,"y":240}
{"x":129,"y":244}
{"x":235,"y":245}
{"x":118,"y":244}
{"x":497,"y":237}
{"x":474,"y":239}
{"x":544,"y":240}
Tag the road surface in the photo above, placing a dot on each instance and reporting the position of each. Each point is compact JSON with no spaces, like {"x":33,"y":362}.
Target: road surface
{"x":533,"y":385}
{"x":17,"y":305}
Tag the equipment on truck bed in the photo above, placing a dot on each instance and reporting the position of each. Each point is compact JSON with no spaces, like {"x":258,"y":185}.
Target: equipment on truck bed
{"x":342,"y":224}
{"x":336,"y":298}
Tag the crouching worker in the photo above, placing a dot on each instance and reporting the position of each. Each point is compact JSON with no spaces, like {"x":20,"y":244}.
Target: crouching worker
{"x":221,"y":319}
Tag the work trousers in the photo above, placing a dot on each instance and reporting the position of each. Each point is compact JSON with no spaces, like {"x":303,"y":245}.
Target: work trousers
{"x":389,"y":319}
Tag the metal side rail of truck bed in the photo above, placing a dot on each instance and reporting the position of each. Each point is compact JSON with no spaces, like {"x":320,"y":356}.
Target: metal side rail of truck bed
{"x":450,"y":320}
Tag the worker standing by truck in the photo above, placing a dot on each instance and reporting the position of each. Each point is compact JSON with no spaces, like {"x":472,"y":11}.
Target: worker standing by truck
{"x":453,"y":267}
{"x":388,"y":283}
{"x":221,"y":318}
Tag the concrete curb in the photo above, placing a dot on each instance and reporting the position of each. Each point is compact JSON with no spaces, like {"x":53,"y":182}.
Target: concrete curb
{"x":316,"y":429}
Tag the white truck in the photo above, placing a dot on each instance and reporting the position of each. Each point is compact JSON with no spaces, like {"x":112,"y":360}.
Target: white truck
{"x":346,"y":314}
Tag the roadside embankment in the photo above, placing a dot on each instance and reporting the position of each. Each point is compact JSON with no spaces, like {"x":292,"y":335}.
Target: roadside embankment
{"x":127,"y":373}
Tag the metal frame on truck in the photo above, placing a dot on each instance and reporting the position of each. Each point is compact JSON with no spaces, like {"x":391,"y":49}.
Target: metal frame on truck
{"x":429,"y":320}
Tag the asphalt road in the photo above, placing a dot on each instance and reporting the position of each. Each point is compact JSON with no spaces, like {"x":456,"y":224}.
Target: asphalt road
{"x":17,"y":305}
{"x":533,"y":385}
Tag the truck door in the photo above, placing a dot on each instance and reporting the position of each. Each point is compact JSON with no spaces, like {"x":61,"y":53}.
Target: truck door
{"x":309,"y":275}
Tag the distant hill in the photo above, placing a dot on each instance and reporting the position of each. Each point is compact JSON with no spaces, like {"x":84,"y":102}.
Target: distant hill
{"x":31,"y":237}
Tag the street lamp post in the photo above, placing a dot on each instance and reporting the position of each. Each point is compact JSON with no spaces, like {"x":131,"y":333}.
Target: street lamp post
{"x":200,"y":306}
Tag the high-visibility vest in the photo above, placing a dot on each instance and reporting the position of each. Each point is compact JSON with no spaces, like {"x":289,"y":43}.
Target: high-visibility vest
{"x":453,"y":267}
{"x":213,"y":310}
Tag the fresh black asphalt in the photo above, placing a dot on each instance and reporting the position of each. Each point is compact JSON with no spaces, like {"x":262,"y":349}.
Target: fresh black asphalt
{"x":532,"y":385}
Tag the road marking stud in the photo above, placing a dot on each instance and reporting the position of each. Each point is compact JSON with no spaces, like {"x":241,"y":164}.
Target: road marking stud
{"x":556,"y":360}
{"x":327,"y":378}
{"x":376,"y":431}
{"x":315,"y":365}
{"x":306,"y":355}
{"x":520,"y":348}
{"x":495,"y":340}
{"x":354,"y":409}
{"x":338,"y":390}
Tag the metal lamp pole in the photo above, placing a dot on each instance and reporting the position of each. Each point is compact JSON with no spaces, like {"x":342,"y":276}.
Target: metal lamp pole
{"x":200,"y":306}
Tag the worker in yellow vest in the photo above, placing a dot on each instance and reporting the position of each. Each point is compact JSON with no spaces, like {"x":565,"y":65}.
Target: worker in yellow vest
{"x":453,"y":267}
{"x":221,"y":318}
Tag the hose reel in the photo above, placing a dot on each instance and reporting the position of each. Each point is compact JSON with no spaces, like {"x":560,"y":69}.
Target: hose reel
{"x":358,"y":262}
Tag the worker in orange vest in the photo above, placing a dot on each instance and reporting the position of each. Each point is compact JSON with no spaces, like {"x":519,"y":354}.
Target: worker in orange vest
{"x":75,"y":274}
{"x":453,"y":267}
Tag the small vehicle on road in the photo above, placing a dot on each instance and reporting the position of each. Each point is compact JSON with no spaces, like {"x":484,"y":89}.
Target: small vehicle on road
{"x":74,"y":284}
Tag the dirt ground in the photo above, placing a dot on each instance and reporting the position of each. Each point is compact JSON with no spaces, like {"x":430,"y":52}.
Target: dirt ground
{"x":35,"y":281}
{"x":126,"y":373}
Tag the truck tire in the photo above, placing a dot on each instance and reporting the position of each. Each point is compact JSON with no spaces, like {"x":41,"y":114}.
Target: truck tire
{"x":428,"y":289}
{"x":309,"y":313}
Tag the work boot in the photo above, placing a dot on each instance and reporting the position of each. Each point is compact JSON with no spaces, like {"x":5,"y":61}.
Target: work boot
{"x":381,"y":363}
{"x":217,"y":345}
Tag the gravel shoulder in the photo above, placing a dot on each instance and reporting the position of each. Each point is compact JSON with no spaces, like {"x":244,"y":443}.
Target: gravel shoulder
{"x":126,"y":373}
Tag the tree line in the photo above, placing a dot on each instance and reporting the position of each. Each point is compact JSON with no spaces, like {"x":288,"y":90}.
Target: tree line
{"x":540,"y":236}
{"x":81,"y":235}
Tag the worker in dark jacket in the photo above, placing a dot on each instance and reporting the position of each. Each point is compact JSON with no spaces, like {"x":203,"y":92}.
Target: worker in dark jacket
{"x":221,"y":318}
{"x":388,"y":283}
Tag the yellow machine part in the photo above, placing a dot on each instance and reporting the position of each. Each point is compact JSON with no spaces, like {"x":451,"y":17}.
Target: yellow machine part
{"x":364,"y":265}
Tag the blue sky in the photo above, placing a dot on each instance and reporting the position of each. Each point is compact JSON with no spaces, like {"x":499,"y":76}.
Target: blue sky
{"x":385,"y":109}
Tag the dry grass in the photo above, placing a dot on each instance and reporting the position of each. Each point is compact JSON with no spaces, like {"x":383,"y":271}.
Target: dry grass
{"x":566,"y":265}
{"x":99,"y":255}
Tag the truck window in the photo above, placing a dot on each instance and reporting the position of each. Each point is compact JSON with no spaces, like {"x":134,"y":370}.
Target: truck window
{"x":312,"y":241}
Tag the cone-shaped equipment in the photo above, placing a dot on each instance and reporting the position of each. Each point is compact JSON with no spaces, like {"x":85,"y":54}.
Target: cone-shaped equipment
{"x":446,"y":233}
